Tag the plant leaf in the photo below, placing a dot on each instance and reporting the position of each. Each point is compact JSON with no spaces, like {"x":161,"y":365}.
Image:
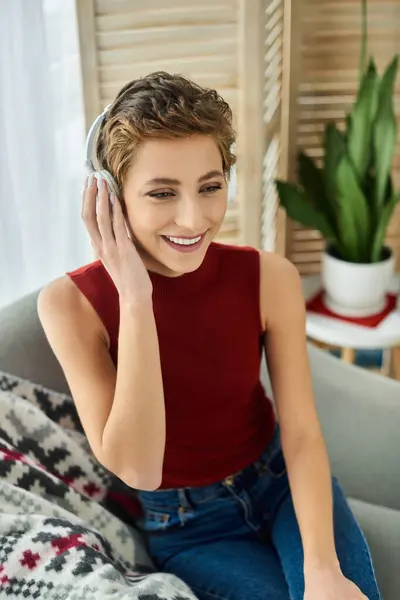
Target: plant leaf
{"x":294,"y":200}
{"x":389,"y":189}
{"x":311,"y":178}
{"x":385,"y":132}
{"x":335,"y":147}
{"x":361,"y":120}
{"x":349,"y":248}
{"x":348,"y":122}
{"x":379,"y":238}
{"x":368,"y":188}
{"x":354,"y":216}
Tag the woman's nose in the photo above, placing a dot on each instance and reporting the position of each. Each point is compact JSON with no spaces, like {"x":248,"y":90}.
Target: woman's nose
{"x":190,"y":215}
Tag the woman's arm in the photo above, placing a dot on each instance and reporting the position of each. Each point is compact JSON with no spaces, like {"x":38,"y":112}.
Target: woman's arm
{"x":122,"y":412}
{"x":136,"y":423}
{"x":303,"y":446}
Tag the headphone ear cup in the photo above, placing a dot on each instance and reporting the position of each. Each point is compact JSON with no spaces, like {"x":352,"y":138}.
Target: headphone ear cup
{"x":109,"y":179}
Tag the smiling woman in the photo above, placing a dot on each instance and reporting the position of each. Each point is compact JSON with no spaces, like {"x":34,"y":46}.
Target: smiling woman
{"x":166,"y":332}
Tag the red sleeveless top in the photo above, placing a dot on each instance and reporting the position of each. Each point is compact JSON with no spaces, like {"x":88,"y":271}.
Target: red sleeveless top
{"x":218,"y":418}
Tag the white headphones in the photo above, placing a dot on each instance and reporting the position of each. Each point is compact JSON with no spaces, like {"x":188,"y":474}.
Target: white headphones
{"x":89,"y":152}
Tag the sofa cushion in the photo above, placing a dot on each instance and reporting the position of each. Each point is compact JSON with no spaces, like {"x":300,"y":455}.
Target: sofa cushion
{"x":381,"y":527}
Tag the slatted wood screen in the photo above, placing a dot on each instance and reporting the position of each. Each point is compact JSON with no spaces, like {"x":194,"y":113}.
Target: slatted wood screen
{"x":326,"y":62}
{"x":261,"y":135}
{"x":272,"y":118}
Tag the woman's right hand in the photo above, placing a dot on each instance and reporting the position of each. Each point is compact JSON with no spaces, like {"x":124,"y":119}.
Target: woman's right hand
{"x":111,"y":241}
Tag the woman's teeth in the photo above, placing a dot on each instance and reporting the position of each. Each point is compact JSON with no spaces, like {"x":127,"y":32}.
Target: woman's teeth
{"x":184,"y":241}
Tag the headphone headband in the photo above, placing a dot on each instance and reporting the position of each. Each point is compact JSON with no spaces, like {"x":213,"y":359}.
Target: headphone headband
{"x":90,"y":139}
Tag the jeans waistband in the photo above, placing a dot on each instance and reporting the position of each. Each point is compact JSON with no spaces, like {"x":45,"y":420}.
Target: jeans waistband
{"x":188,"y":496}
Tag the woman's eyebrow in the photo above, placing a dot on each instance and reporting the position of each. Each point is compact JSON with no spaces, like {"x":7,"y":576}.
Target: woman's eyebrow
{"x":209,"y":175}
{"x":163,"y":181}
{"x":169,"y":181}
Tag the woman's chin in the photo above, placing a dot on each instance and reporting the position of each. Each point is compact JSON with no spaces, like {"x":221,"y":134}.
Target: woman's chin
{"x":183,"y":263}
{"x":173,"y":262}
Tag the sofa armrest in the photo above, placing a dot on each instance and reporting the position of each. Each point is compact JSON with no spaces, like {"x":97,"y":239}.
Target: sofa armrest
{"x":381,"y":527}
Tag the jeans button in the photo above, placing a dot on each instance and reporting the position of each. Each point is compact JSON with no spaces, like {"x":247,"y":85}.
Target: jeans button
{"x":229,"y":480}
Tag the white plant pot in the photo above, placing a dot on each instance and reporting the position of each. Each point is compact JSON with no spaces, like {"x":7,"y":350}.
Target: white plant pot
{"x":355,"y":289}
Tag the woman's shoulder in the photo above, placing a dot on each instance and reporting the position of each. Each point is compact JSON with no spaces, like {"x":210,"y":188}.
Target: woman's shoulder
{"x":62,"y":305}
{"x":280,"y":286}
{"x":60,"y":294}
{"x":273,"y":264}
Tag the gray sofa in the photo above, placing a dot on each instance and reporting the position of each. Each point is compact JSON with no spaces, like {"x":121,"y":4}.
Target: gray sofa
{"x":359,"y":411}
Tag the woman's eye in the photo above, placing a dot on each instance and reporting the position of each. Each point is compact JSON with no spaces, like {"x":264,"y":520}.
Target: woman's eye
{"x":211,"y":189}
{"x":160,"y":194}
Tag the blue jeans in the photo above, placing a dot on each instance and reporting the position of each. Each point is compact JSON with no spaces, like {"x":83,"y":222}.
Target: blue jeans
{"x":239,"y":539}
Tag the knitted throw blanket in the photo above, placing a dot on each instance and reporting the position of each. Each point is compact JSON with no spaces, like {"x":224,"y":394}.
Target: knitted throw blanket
{"x":66,"y":524}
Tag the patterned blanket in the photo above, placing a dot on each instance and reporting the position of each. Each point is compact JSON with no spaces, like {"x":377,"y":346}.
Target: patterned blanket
{"x":66,"y":524}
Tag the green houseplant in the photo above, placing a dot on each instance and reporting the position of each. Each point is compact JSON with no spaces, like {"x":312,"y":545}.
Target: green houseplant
{"x":350,"y":198}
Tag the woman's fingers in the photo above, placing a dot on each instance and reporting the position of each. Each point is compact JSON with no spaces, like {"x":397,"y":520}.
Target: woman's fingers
{"x":104,"y":215}
{"x":89,"y":214}
{"x":120,"y":231}
{"x":104,"y":219}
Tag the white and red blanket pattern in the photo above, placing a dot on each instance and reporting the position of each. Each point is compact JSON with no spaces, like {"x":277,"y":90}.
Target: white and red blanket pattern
{"x":66,"y":524}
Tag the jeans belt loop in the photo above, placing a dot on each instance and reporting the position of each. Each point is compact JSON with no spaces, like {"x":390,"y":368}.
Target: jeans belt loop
{"x":184,"y":502}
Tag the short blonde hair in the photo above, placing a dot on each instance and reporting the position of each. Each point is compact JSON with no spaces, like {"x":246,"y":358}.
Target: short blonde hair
{"x":162,"y":105}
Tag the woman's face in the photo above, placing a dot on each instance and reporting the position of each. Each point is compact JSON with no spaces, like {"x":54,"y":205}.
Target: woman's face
{"x":175,"y":195}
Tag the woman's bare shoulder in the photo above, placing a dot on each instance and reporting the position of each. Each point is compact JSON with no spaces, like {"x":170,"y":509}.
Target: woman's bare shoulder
{"x":280,"y":286}
{"x":61,"y":302}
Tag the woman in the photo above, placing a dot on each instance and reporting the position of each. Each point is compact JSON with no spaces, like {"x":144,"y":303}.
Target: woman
{"x":161,"y":341}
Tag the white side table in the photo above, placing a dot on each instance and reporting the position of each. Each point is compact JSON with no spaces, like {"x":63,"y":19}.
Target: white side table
{"x":333,"y":332}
